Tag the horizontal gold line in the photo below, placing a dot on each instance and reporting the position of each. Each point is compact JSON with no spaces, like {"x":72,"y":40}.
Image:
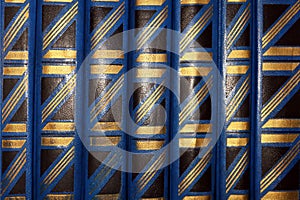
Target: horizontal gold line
{"x":237,"y":69}
{"x":149,"y":145}
{"x":107,"y":196}
{"x":107,"y":126}
{"x":204,"y":197}
{"x":149,"y":2}
{"x":14,"y":128}
{"x":60,"y":196}
{"x":151,"y":130}
{"x":15,"y":144}
{"x":15,"y":1}
{"x":239,"y":54}
{"x":58,"y":69}
{"x":149,"y":73}
{"x":105,"y":0}
{"x":15,"y":198}
{"x":238,"y":197}
{"x":56,"y":141}
{"x":193,"y":142}
{"x":152,"y":58}
{"x":237,"y":142}
{"x":59,"y":126}
{"x":14,"y":71}
{"x":196,"y":56}
{"x":105,"y":141}
{"x":282,"y":123}
{"x":61,"y":54}
{"x":239,"y":126}
{"x":281,"y":195}
{"x":284,"y":66}
{"x":183,"y":2}
{"x":283,"y":51}
{"x":17,"y":55}
{"x":109,"y":54}
{"x":192,"y":128}
{"x":231,"y":1}
{"x":106,"y":69}
{"x":278,"y":138}
{"x":156,"y":198}
{"x":194,"y":71}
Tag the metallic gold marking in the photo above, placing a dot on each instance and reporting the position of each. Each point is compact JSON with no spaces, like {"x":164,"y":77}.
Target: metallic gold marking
{"x":15,"y":128}
{"x":239,"y":54}
{"x":107,"y":126}
{"x":149,"y":145}
{"x":14,"y":144}
{"x":56,"y":141}
{"x":106,"y":69}
{"x":237,"y":69}
{"x":275,"y":66}
{"x":237,"y":142}
{"x":194,"y":71}
{"x":281,"y":195}
{"x":282,"y":123}
{"x":196,"y":56}
{"x":151,"y":130}
{"x":15,"y":198}
{"x":193,"y":142}
{"x":238,"y":196}
{"x":236,"y":1}
{"x":17,"y":55}
{"x":283,"y":51}
{"x":62,"y":70}
{"x":107,"y":197}
{"x":59,"y":1}
{"x":278,"y":138}
{"x":204,"y":197}
{"x":239,"y":126}
{"x":60,"y":196}
{"x":149,"y":73}
{"x":105,"y":141}
{"x":149,"y":2}
{"x":101,"y":54}
{"x":59,"y":126}
{"x":183,"y":2}
{"x":152,"y":58}
{"x":14,"y":1}
{"x":14,"y":71}
{"x":193,"y":128}
{"x":61,"y":54}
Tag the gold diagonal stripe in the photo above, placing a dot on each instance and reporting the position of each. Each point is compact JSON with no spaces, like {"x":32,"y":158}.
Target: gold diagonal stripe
{"x":111,"y":21}
{"x":267,"y":109}
{"x":59,"y":166}
{"x":153,"y":26}
{"x":194,"y":27}
{"x":15,"y":98}
{"x":146,"y":106}
{"x":60,"y":25}
{"x":194,"y":173}
{"x":107,"y":98}
{"x":238,"y":26}
{"x":67,"y":88}
{"x":14,"y":168}
{"x":280,"y":24}
{"x":237,"y":176}
{"x":239,"y":167}
{"x":286,"y":160}
{"x":16,"y":26}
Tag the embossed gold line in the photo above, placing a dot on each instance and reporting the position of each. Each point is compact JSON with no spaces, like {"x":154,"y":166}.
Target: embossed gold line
{"x":106,"y":69}
{"x":283,"y":51}
{"x":236,"y":1}
{"x":237,"y":142}
{"x":279,"y":195}
{"x":189,"y":2}
{"x":61,"y":70}
{"x":56,"y":141}
{"x":237,"y":69}
{"x":14,"y":144}
{"x":59,"y":196}
{"x":15,"y":1}
{"x":278,"y":138}
{"x":279,"y":66}
{"x":151,"y":130}
{"x":149,"y":2}
{"x":15,"y":128}
{"x":238,"y":197}
{"x":149,"y":145}
{"x":237,"y":176}
{"x":107,"y":196}
{"x":238,"y":126}
{"x":13,"y":168}
{"x":61,"y":54}
{"x":59,"y":126}
{"x":14,"y":71}
{"x":239,"y":54}
{"x":17,"y":55}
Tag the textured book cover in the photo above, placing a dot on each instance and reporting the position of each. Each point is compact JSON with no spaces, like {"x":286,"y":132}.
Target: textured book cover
{"x":193,"y":174}
{"x":17,"y":66}
{"x":150,"y":101}
{"x":104,"y":168}
{"x":278,"y":117}
{"x":234,"y":151}
{"x":59,"y":53}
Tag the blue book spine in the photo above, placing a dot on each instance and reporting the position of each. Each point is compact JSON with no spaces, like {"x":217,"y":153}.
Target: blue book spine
{"x":105,"y":99}
{"x":17,"y":72}
{"x":277,"y":138}
{"x":150,"y":102}
{"x":234,"y":144}
{"x":193,"y":174}
{"x":59,"y":53}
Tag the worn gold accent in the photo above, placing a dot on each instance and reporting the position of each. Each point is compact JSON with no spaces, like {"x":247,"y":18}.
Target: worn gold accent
{"x":204,"y":197}
{"x":105,"y":141}
{"x":113,"y":54}
{"x":149,"y":145}
{"x":183,"y":2}
{"x":60,"y":196}
{"x":155,"y":58}
{"x":236,"y":1}
{"x":194,"y":71}
{"x":196,"y":56}
{"x":14,"y":128}
{"x":107,"y":126}
{"x":107,"y":197}
{"x":238,"y":196}
{"x":149,"y":2}
{"x":239,"y":126}
{"x":239,"y":54}
{"x":149,"y":73}
{"x":106,"y":69}
{"x":151,"y":130}
{"x":61,"y":54}
{"x":14,"y":71}
{"x":14,"y":1}
{"x":192,"y":128}
{"x":278,"y":138}
{"x":15,"y":144}
{"x":56,"y":141}
{"x":282,"y":123}
{"x":237,"y":142}
{"x":193,"y":142}
{"x":59,"y":126}
{"x":54,"y":69}
{"x":15,"y":198}
{"x":279,"y":66}
{"x":281,"y":195}
{"x":283,"y":51}
{"x":17,"y":55}
{"x":237,"y":69}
